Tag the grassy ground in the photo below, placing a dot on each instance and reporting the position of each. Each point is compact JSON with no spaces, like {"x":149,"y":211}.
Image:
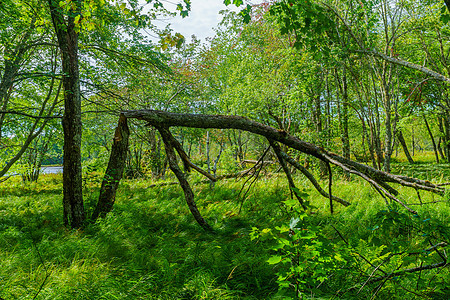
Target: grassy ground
{"x":149,"y":247}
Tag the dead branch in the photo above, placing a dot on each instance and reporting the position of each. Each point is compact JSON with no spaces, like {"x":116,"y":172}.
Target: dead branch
{"x":188,"y":194}
{"x":386,"y":276}
{"x":286,"y":170}
{"x":374,"y":183}
{"x":256,"y":171}
{"x":167,"y":119}
{"x":251,"y":161}
{"x":186,"y":160}
{"x":246,"y":172}
{"x":311,"y":178}
{"x":380,"y":180}
{"x":411,"y":270}
{"x":404,"y":63}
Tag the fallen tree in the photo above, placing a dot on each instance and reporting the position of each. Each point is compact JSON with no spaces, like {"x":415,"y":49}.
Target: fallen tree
{"x":162,"y":121}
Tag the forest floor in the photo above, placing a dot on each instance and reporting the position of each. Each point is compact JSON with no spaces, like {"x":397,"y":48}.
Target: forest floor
{"x":149,"y":246}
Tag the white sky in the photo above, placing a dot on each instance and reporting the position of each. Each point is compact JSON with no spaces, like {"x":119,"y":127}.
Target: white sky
{"x":204,"y":16}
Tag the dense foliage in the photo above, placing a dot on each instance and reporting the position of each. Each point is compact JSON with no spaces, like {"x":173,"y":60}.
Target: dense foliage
{"x":366,"y":79}
{"x":150,"y":247}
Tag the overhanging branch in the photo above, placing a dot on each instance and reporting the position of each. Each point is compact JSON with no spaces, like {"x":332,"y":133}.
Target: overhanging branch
{"x":374,"y":176}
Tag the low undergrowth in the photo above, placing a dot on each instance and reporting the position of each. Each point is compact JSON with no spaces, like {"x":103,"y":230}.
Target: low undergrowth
{"x":149,"y":246}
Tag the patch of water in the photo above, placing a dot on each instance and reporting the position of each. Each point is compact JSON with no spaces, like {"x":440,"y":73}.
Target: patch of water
{"x":52,"y":170}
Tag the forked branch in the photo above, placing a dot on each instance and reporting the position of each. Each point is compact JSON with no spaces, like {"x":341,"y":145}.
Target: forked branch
{"x":188,"y":193}
{"x":380,"y":180}
{"x":167,"y":119}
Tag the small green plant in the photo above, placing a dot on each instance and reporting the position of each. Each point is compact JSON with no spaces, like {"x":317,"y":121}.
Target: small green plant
{"x":302,"y":255}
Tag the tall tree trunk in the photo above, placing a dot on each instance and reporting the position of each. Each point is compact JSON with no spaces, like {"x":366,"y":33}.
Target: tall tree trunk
{"x":74,"y":213}
{"x":208,"y":161}
{"x":445,"y":136}
{"x":371,"y":144}
{"x":344,"y":117}
{"x":317,"y":120}
{"x":377,"y":126}
{"x":388,"y":120}
{"x":328,"y":113}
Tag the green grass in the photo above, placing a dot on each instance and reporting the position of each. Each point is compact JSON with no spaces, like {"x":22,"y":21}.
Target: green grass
{"x":149,"y":246}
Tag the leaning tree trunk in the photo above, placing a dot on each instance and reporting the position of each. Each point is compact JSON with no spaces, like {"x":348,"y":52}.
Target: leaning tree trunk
{"x":114,"y":171}
{"x":441,"y":153}
{"x":402,"y":141}
{"x":74,"y":213}
{"x":436,"y":154}
{"x":378,"y":179}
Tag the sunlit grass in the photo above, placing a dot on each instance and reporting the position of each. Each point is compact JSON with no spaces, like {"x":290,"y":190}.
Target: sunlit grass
{"x":150,"y":247}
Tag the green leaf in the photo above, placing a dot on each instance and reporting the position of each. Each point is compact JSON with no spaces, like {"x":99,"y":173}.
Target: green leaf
{"x":274,"y":260}
{"x":282,"y":229}
{"x":90,"y":26}
{"x":184,"y":13}
{"x":291,"y":202}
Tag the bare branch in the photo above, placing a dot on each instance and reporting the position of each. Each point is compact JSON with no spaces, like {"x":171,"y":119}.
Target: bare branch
{"x":186,"y":158}
{"x":311,"y":178}
{"x":411,"y":270}
{"x":376,"y":177}
{"x":407,"y":64}
{"x":292,"y":187}
{"x":188,"y":193}
{"x":14,"y":112}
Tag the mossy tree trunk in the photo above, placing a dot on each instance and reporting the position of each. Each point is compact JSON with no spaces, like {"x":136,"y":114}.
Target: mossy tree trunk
{"x":114,"y":171}
{"x":74,"y":213}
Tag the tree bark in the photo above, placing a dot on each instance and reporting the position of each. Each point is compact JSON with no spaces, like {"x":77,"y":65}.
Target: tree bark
{"x":436,"y":154}
{"x":188,"y":193}
{"x":344,"y":115}
{"x":402,"y":141}
{"x":387,"y":103}
{"x":114,"y":171}
{"x":441,"y":153}
{"x":74,"y":213}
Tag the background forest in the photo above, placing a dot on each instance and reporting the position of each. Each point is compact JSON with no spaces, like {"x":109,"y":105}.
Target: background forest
{"x":365,"y":81}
